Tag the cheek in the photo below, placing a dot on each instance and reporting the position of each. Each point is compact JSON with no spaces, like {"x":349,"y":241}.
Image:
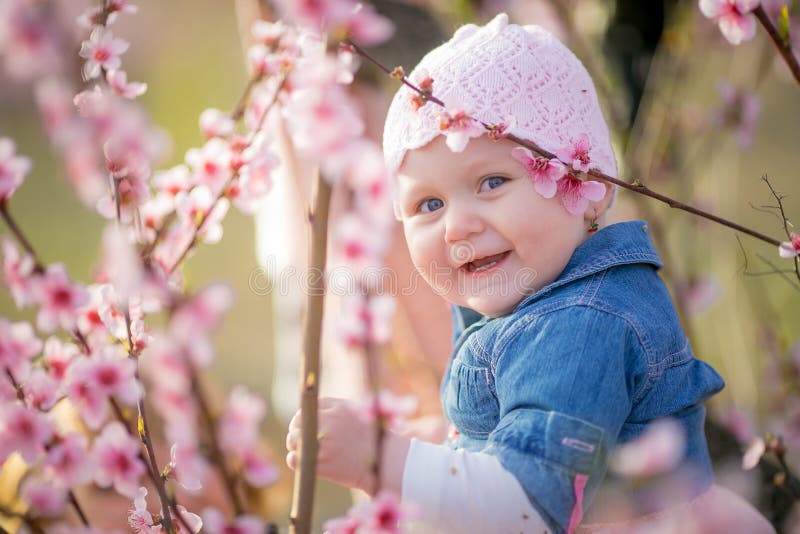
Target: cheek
{"x":426,"y":248}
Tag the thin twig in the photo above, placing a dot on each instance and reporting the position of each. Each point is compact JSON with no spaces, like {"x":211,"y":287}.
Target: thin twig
{"x":20,"y":237}
{"x":636,"y":186}
{"x":785,"y":221}
{"x":783,"y":45}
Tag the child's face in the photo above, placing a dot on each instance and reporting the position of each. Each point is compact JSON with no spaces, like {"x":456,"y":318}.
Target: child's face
{"x":478,"y":232}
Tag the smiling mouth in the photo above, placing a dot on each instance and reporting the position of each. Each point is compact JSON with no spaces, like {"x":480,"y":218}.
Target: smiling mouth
{"x":485,"y":263}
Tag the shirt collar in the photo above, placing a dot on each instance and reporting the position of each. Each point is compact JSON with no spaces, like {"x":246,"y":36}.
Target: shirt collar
{"x":617,"y":244}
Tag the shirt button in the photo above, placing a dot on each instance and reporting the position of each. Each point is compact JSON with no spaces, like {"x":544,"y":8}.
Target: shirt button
{"x":644,"y":228}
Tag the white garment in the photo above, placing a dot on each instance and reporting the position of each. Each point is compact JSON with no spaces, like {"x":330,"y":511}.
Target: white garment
{"x":464,"y":492}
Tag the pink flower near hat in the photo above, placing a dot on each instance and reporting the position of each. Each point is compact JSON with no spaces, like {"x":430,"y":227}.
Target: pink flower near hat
{"x":499,"y":72}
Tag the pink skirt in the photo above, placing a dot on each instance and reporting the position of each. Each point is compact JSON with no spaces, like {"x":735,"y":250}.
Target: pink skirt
{"x":718,"y":510}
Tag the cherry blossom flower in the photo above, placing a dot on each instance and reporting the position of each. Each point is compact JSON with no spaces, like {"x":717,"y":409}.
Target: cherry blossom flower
{"x":545,"y":172}
{"x":214,"y":522}
{"x":211,"y":165}
{"x":268,"y":33}
{"x":68,"y":462}
{"x":393,"y":409}
{"x":365,"y":319}
{"x":172,"y":181}
{"x":118,"y":80}
{"x":752,"y":456}
{"x":658,"y":450}
{"x":733,"y":17}
{"x":459,"y":128}
{"x":13,"y":168}
{"x":58,"y":356}
{"x":59,"y":300}
{"x":382,"y":515}
{"x":700,"y":293}
{"x":18,"y":344}
{"x":186,"y":464}
{"x":41,"y":390}
{"x":101,"y":51}
{"x":17,"y":272}
{"x":790,"y":249}
{"x":193,"y":521}
{"x":577,"y":153}
{"x":93,"y":16}
{"x":118,"y":462}
{"x":203,"y":312}
{"x":258,"y":471}
{"x":740,"y":112}
{"x":24,"y":431}
{"x":44,"y":497}
{"x":113,"y":375}
{"x":140,"y":520}
{"x":216,"y":123}
{"x":199,"y":207}
{"x":575,"y":194}
{"x":357,"y":247}
{"x":255,"y":174}
{"x":30,"y":39}
{"x":368,"y":28}
{"x":81,"y":391}
{"x":239,"y":424}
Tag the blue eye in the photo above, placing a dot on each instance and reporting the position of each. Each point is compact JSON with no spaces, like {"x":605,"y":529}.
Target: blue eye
{"x":492,"y":182}
{"x":430,"y":204}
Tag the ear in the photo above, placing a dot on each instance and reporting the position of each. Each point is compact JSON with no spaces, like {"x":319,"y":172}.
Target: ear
{"x":597,"y":209}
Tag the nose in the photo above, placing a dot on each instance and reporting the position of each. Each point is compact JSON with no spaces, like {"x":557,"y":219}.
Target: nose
{"x":461,"y":223}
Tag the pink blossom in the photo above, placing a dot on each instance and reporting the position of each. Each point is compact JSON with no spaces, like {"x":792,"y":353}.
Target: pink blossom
{"x":368,"y":28}
{"x":199,"y":207}
{"x":203,"y":312}
{"x":93,"y":16}
{"x":118,"y":462}
{"x":371,"y":183}
{"x":18,"y":344}
{"x":214,"y":522}
{"x":342,"y":525}
{"x":740,"y":112}
{"x":81,"y":391}
{"x":216,"y":123}
{"x":187,"y":465}
{"x":264,"y":61}
{"x":173,"y":181}
{"x":752,"y":456}
{"x":393,"y":409}
{"x":118,"y":80}
{"x":700,"y":293}
{"x":740,"y":423}
{"x":101,"y":51}
{"x":211,"y":165}
{"x":193,"y":521}
{"x":545,"y":172}
{"x":577,"y":153}
{"x":31,"y":40}
{"x":459,"y":128}
{"x":59,"y":300}
{"x":258,"y":471}
{"x":113,"y":375}
{"x":41,"y":390}
{"x":790,"y":249}
{"x":58,"y":356}
{"x":13,"y":168}
{"x":575,"y":194}
{"x":140,"y":520}
{"x":255,"y":174}
{"x":658,"y":450}
{"x":382,"y":515}
{"x":54,"y":101}
{"x":44,"y":497}
{"x":68,"y":462}
{"x":17,"y":272}
{"x":239,"y":424}
{"x":357,"y":246}
{"x":24,"y":431}
{"x":365,"y":319}
{"x":733,"y":17}
{"x":268,"y":33}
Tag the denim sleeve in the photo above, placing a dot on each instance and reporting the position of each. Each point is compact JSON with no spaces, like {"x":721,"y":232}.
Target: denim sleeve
{"x":563,"y":382}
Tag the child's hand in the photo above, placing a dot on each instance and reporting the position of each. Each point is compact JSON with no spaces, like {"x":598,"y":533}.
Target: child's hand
{"x":347,"y":448}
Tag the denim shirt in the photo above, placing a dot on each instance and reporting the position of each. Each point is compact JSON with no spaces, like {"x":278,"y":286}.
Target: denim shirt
{"x":577,"y":368}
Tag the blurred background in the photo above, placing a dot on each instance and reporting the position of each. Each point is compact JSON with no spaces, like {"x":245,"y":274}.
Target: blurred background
{"x":679,"y":98}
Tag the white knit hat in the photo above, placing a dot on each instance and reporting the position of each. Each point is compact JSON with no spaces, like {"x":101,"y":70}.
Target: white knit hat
{"x":498,"y":72}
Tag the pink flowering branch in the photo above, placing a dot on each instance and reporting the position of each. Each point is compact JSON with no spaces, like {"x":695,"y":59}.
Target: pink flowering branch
{"x":305,"y":475}
{"x":19,"y":236}
{"x":784,"y":221}
{"x":781,"y":42}
{"x":207,"y":213}
{"x":636,"y":185}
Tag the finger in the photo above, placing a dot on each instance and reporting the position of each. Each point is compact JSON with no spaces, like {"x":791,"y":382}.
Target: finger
{"x":295,"y":422}
{"x":291,"y":460}
{"x":292,"y":438}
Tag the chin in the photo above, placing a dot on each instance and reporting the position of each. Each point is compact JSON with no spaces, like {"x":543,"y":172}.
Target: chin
{"x":494,"y":309}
